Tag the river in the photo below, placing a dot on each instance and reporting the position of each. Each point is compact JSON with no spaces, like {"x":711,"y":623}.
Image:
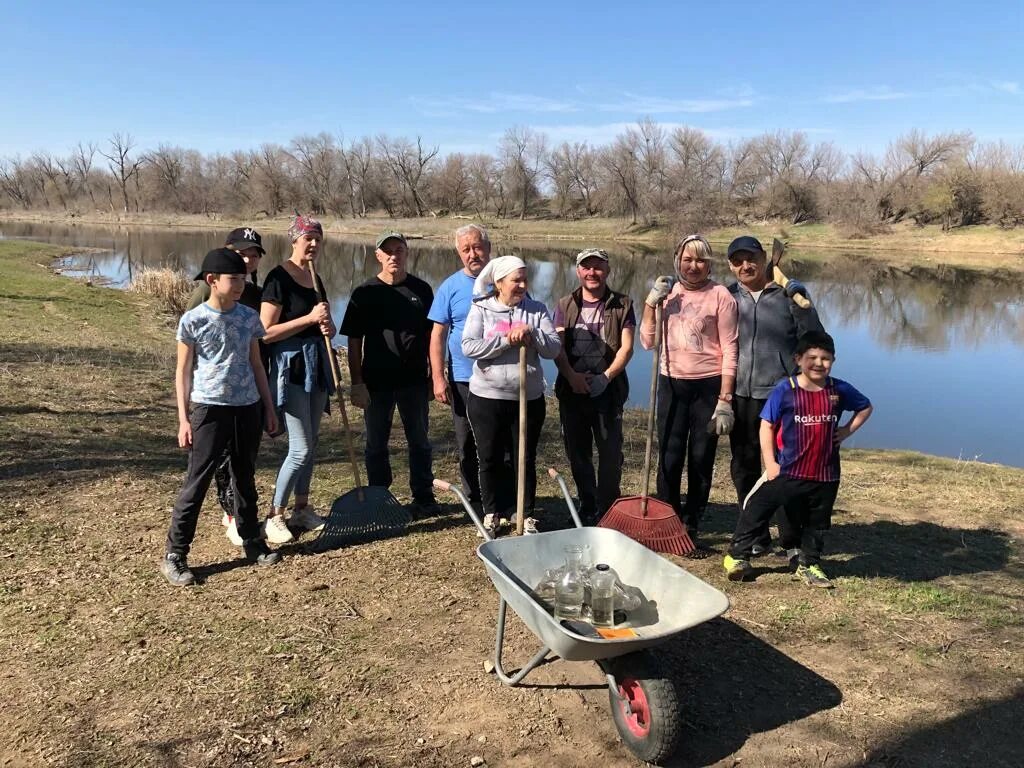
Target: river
{"x":939,"y":352}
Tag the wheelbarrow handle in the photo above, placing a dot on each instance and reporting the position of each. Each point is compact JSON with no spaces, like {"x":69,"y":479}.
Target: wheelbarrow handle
{"x":443,"y":485}
{"x":557,"y":477}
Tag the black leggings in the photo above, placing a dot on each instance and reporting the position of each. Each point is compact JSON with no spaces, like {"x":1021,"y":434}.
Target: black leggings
{"x":495,"y":426}
{"x":685,"y":407}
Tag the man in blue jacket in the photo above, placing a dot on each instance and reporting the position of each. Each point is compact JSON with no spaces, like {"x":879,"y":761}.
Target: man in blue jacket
{"x":770,"y":323}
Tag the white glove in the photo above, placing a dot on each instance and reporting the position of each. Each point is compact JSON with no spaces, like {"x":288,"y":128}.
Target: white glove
{"x":359,"y":395}
{"x":722,"y":420}
{"x":661,"y":289}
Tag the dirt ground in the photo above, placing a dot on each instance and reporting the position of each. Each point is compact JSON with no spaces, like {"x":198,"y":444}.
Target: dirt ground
{"x":373,"y":655}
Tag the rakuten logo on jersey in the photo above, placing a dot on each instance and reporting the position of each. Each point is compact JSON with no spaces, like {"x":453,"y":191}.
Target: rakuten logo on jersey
{"x":831,"y":417}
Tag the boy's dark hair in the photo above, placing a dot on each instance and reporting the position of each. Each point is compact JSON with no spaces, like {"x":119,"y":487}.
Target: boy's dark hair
{"x":815,"y":340}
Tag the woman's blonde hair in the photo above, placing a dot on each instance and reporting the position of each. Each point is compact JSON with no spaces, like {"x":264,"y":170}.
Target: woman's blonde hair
{"x":701,"y":248}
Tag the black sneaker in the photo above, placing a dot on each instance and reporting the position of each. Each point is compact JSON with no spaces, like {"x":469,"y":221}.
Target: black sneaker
{"x":257,"y":551}
{"x":420,"y":510}
{"x":174,"y":567}
{"x":760,"y":550}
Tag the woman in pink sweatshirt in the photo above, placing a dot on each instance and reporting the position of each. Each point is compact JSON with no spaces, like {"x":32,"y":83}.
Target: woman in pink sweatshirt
{"x":697,"y":376}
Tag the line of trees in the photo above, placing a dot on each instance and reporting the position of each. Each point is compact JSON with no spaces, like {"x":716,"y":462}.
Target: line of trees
{"x":647,"y":174}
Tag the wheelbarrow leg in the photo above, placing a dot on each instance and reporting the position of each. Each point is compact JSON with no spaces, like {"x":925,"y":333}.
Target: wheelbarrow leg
{"x":500,"y":642}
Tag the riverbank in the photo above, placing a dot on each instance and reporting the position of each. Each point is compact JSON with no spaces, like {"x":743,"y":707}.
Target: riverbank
{"x":983,"y":247}
{"x":372,"y":655}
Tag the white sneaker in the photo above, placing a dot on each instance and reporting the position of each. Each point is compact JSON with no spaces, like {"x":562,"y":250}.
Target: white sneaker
{"x":231,"y":531}
{"x":529,"y":526}
{"x":488,"y":526}
{"x":276,"y":531}
{"x":307,"y":519}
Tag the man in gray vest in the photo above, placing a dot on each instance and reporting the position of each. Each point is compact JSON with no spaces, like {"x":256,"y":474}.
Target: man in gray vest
{"x":596,"y":325}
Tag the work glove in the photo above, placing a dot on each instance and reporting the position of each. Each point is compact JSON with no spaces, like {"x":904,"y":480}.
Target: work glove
{"x":598,"y":384}
{"x":794,"y":287}
{"x":722,"y":419}
{"x":661,"y":289}
{"x":359,"y":395}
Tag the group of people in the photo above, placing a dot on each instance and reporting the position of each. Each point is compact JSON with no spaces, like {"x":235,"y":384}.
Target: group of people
{"x":746,"y":361}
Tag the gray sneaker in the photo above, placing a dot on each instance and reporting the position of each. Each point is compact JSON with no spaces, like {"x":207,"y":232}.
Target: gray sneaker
{"x":175,"y":569}
{"x":257,"y":551}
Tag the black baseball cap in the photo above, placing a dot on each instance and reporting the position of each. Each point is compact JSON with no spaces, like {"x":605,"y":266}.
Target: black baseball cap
{"x":245,"y":237}
{"x":222,"y":261}
{"x":744,"y":243}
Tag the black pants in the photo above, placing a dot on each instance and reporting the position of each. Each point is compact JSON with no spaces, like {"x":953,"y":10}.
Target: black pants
{"x":216,"y":428}
{"x":685,"y":407}
{"x":412,"y":403}
{"x":745,"y":467}
{"x":469,"y":465}
{"x":807,"y":507}
{"x":587,"y":421}
{"x":496,"y":430}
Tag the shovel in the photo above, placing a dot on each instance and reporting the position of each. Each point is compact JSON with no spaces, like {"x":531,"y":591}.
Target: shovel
{"x":776,"y":274}
{"x":365,"y":513}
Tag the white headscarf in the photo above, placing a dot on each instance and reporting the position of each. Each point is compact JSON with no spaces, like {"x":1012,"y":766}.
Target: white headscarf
{"x":494,"y":271}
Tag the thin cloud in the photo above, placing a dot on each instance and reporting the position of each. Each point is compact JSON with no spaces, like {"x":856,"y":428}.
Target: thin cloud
{"x":658,"y":105}
{"x":880,"y":93}
{"x":605,"y":133}
{"x":491,"y":103}
{"x":1008,"y":86}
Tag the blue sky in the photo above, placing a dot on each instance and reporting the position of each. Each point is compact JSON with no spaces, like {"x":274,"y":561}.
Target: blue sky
{"x":222,"y":76}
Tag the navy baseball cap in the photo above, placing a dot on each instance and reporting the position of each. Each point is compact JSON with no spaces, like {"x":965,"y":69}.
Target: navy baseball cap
{"x":744,"y":243}
{"x":222,"y":261}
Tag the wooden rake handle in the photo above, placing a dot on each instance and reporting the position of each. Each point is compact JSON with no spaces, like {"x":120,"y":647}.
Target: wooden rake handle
{"x":521,"y":464}
{"x":650,"y":412}
{"x":336,"y":376}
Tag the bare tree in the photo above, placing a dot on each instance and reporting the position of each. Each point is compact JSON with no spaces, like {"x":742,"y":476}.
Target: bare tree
{"x":408,"y":163}
{"x":522,"y":156}
{"x":120,"y":162}
{"x":14,"y":181}
{"x":81,"y":160}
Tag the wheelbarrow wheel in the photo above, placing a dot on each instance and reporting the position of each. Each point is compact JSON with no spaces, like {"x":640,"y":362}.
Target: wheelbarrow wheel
{"x":646,"y":709}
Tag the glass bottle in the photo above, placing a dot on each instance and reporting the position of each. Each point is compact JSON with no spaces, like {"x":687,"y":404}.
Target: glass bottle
{"x":602,"y":595}
{"x":569,"y":590}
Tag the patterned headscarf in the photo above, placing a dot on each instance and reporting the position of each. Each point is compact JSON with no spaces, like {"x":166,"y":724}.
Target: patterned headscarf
{"x":304,"y":225}
{"x":494,"y":271}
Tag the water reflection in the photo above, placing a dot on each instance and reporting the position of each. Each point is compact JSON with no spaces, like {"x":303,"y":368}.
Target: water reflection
{"x":951,"y":334}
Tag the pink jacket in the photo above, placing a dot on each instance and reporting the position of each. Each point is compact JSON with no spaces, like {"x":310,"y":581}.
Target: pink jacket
{"x":698,"y":333}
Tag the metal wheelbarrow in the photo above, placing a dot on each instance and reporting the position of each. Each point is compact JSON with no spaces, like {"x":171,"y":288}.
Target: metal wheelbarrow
{"x":643,"y":698}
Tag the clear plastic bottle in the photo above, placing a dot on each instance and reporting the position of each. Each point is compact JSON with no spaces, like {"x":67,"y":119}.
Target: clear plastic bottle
{"x":602,"y":595}
{"x":569,"y":590}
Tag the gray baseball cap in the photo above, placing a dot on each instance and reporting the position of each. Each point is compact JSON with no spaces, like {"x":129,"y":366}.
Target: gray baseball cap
{"x":599,"y":253}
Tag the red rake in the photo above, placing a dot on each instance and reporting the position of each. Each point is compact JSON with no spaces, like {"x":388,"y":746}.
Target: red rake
{"x":652,"y":522}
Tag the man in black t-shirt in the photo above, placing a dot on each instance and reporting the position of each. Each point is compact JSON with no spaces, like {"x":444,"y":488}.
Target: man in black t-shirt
{"x":388,"y":344}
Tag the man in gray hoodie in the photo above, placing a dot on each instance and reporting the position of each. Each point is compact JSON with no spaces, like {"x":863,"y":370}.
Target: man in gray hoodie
{"x":770,"y":322}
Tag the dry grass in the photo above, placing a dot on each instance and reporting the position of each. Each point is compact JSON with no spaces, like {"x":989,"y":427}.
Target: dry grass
{"x":170,"y":287}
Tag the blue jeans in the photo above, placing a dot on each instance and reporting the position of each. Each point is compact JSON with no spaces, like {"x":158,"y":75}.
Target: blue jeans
{"x":302,"y":413}
{"x":412,"y":403}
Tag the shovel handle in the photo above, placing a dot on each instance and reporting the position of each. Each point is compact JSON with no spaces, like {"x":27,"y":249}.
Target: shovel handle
{"x":336,"y":376}
{"x":442,"y":485}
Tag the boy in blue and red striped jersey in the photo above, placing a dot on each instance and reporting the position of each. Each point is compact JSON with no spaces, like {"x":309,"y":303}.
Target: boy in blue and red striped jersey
{"x":800,"y":437}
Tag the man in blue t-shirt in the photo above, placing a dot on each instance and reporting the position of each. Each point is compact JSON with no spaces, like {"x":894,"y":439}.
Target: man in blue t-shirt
{"x":800,"y":439}
{"x":448,"y":313}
